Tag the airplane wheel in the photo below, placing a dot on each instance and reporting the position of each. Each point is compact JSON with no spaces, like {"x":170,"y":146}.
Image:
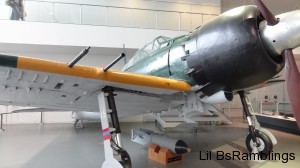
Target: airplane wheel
{"x":265,"y":144}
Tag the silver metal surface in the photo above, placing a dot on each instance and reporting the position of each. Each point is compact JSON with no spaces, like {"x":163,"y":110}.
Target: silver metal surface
{"x":252,"y":120}
{"x":141,"y":136}
{"x":219,"y":97}
{"x":147,"y":137}
{"x":192,"y":104}
{"x":261,"y":147}
{"x":164,"y":141}
{"x":249,"y":119}
{"x":284,"y":35}
{"x":118,"y":140}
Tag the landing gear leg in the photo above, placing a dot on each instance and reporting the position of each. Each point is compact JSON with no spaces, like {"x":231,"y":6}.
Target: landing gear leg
{"x":75,"y":123}
{"x":112,"y":136}
{"x":258,"y":140}
{"x":79,"y":124}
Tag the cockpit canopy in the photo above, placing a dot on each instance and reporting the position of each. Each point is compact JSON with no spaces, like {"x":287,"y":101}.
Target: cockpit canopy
{"x":157,"y":43}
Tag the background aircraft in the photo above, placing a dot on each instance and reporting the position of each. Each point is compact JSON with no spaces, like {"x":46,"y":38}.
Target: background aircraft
{"x":239,"y":49}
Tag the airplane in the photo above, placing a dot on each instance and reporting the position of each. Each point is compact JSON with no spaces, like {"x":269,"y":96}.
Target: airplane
{"x":242,"y":48}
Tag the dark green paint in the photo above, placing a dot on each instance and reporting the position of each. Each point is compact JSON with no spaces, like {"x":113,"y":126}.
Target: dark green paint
{"x":8,"y":61}
{"x":164,"y":61}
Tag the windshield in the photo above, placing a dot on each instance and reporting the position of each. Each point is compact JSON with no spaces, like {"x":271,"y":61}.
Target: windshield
{"x":149,"y":48}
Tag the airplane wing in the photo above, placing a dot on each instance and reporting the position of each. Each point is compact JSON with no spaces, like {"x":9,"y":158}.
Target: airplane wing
{"x":26,"y":110}
{"x":46,"y":84}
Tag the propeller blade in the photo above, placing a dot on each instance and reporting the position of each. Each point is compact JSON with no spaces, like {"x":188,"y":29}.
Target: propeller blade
{"x":267,"y":14}
{"x":292,"y":76}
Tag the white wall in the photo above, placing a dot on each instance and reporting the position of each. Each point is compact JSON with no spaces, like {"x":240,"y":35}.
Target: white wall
{"x":77,"y":35}
{"x":121,"y":13}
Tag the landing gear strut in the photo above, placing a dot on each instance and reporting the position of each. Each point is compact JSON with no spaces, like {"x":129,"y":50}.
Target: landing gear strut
{"x":112,"y":136}
{"x":79,"y":124}
{"x":258,"y":140}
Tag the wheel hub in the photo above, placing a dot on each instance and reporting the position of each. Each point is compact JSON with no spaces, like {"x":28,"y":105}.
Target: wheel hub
{"x":260,"y":146}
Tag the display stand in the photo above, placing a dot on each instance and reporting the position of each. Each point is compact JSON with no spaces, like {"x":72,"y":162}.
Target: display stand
{"x":277,"y":116}
{"x":162,"y":155}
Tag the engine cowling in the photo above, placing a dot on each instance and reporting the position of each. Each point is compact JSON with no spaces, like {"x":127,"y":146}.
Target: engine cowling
{"x":228,"y":54}
{"x":219,"y":97}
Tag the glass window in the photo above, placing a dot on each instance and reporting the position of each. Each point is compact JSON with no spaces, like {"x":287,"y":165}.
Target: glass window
{"x":149,"y":48}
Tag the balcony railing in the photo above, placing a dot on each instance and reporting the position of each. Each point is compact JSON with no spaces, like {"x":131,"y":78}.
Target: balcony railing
{"x":104,"y":15}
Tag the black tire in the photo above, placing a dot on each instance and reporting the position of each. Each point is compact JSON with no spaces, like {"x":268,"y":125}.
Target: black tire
{"x":265,"y":146}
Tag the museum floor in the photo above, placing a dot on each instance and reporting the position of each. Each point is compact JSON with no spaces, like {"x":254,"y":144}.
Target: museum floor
{"x":62,"y":146}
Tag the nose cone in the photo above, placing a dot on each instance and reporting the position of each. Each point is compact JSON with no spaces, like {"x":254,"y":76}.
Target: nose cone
{"x":282,"y":36}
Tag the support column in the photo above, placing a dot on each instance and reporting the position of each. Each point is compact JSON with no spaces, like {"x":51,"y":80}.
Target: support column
{"x":1,"y":125}
{"x":42,"y":120}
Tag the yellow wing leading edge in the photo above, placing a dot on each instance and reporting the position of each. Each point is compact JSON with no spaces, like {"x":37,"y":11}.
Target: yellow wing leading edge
{"x":98,"y":73}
